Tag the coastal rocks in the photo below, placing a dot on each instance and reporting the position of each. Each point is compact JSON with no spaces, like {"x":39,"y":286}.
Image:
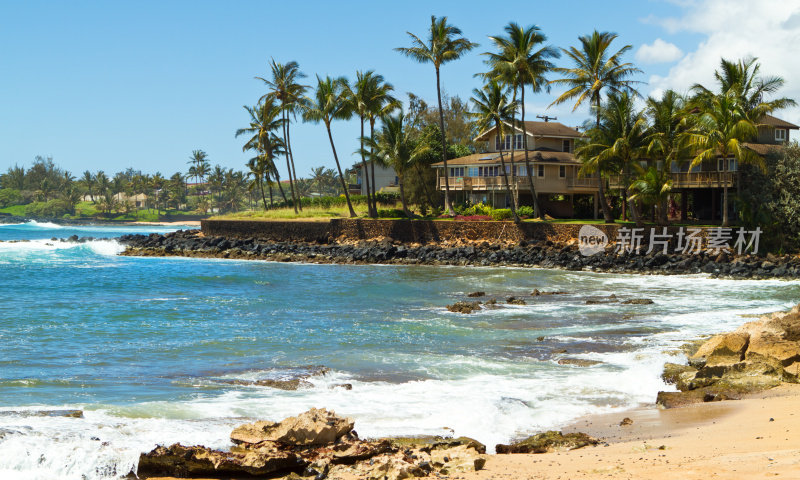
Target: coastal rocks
{"x":191,"y":243}
{"x":638,"y":301}
{"x":315,"y":444}
{"x":515,"y":301}
{"x":757,"y":356}
{"x":314,"y":427}
{"x":548,"y":442}
{"x":578,"y":362}
{"x":476,"y":294}
{"x":464,"y":307}
{"x":537,"y":293}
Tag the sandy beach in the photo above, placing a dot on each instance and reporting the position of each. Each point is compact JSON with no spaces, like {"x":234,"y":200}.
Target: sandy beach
{"x":757,"y":437}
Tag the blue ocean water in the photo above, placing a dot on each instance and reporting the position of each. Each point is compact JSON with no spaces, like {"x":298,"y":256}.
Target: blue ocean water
{"x":160,"y":350}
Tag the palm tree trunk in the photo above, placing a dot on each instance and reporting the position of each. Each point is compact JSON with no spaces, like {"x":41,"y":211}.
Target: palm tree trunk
{"x":288,"y":164}
{"x":505,"y":179}
{"x":365,"y":174}
{"x":515,"y":195}
{"x":263,"y":197}
{"x":291,"y":156}
{"x":269,"y":186}
{"x":601,"y":188}
{"x":725,"y":204}
{"x":536,"y":210}
{"x":280,"y":187}
{"x":448,"y":203}
{"x":403,"y":195}
{"x":372,"y":166}
{"x":341,"y":176}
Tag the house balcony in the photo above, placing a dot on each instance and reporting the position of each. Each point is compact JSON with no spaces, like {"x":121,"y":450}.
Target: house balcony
{"x":689,"y":180}
{"x":543,"y":185}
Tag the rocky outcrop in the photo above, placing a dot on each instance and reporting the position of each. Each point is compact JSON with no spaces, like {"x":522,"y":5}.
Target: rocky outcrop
{"x":315,"y":444}
{"x":545,"y":254}
{"x":548,"y":442}
{"x":314,"y":427}
{"x":756,"y":356}
{"x":464,"y":307}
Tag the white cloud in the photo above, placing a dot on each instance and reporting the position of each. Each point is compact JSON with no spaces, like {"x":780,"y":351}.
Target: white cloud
{"x":659,"y":52}
{"x":734,"y":29}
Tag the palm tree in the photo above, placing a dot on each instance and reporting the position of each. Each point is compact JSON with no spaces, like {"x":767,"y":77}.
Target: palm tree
{"x":330,"y":103}
{"x":492,"y":108}
{"x":652,"y":188}
{"x":358,"y":97}
{"x":197,"y":158}
{"x":89,"y":181}
{"x":288,"y":93}
{"x":380,"y":103}
{"x":258,"y":172}
{"x":524,"y":60}
{"x":595,"y":68}
{"x":720,"y":131}
{"x":391,"y":145}
{"x":618,"y":142}
{"x":666,"y":140}
{"x":263,"y":123}
{"x":444,"y":44}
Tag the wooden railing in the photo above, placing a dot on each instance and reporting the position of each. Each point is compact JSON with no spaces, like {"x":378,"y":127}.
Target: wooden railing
{"x":690,"y":180}
{"x":497,"y":183}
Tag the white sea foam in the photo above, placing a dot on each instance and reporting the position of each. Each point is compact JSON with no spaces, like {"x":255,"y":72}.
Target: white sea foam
{"x":99,"y":247}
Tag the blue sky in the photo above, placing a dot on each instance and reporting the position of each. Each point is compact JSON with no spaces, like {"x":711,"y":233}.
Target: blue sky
{"x":110,"y":85}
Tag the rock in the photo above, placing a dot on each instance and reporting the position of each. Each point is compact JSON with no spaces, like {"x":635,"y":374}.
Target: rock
{"x":673,"y":373}
{"x":625,"y":422}
{"x":390,"y":468}
{"x":187,"y":462}
{"x":292,"y":384}
{"x":771,"y":348}
{"x":431,"y":442}
{"x":314,"y":427}
{"x":346,"y":386}
{"x":548,"y":442}
{"x":458,"y":459}
{"x":578,"y":362}
{"x":723,"y":349}
{"x":638,"y":301}
{"x":515,"y":301}
{"x":476,"y":294}
{"x":464,"y":307}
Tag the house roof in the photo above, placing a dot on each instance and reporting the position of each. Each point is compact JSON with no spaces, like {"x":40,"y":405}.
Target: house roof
{"x":778,"y":123}
{"x":493,"y":158}
{"x":541,"y":129}
{"x":762,"y":148}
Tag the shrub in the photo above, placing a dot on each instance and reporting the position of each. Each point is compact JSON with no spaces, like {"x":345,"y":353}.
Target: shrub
{"x":391,"y":213}
{"x":50,"y":209}
{"x":478,"y":209}
{"x":525,"y":211}
{"x":501,"y":214}
{"x":10,"y":197}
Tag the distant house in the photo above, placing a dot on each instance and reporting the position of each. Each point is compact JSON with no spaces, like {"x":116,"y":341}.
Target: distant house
{"x":479,"y":178}
{"x":702,"y":186}
{"x":385,"y":179}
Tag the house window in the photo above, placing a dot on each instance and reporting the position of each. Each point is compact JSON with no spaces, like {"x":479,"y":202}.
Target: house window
{"x":732,"y":165}
{"x":562,"y":171}
{"x":780,"y":135}
{"x":457,"y":171}
{"x":518,"y":141}
{"x":505,"y":144}
{"x":566,"y":146}
{"x":726,"y":164}
{"x":472,"y":171}
{"x":541,"y":171}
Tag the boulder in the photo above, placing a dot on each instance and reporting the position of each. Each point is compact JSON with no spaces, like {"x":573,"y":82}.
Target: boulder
{"x":464,"y":307}
{"x":578,"y":362}
{"x":771,"y":348}
{"x":515,"y":301}
{"x":548,"y":442}
{"x":476,"y":294}
{"x":197,"y":461}
{"x":314,"y":427}
{"x":638,"y":301}
{"x":723,"y":349}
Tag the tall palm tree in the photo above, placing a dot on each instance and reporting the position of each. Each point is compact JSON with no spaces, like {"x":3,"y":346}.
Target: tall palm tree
{"x":358,"y":97}
{"x":492,"y":108}
{"x":258,"y":172}
{"x":197,"y":158}
{"x":524,"y":59}
{"x":594,"y":69}
{"x":444,"y":44}
{"x":391,"y":145}
{"x":263,"y":123}
{"x":288,"y":93}
{"x":89,"y":182}
{"x":721,"y":129}
{"x":652,"y":188}
{"x":330,"y":103}
{"x":380,"y":103}
{"x":618,"y":142}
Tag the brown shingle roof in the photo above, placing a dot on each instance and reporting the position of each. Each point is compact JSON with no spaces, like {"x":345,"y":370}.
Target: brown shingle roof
{"x":777,"y":122}
{"x":493,"y":158}
{"x":543,"y":129}
{"x":762,"y":148}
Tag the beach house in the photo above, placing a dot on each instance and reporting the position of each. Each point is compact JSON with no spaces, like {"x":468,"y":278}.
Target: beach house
{"x":551,"y":145}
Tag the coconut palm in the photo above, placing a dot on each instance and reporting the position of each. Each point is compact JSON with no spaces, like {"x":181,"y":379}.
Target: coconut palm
{"x":493,"y":109}
{"x":721,"y":128}
{"x":264,"y":120}
{"x":444,"y":44}
{"x":594,"y":69}
{"x":197,"y":158}
{"x":380,"y":103}
{"x":391,"y":145}
{"x":329,"y":103}
{"x":258,"y":171}
{"x":89,"y":182}
{"x":358,"y":96}
{"x":523,"y":61}
{"x":288,"y":93}
{"x":652,"y":188}
{"x":618,"y":143}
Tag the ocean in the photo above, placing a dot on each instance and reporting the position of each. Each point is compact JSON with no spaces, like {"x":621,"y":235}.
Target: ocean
{"x":163,"y":350}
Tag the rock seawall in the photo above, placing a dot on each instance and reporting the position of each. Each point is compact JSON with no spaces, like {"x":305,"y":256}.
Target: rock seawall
{"x":546,"y":254}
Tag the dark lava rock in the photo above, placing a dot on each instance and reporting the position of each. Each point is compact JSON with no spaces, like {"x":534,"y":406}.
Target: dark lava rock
{"x":464,"y":307}
{"x":477,"y":294}
{"x":638,"y":301}
{"x":515,"y":301}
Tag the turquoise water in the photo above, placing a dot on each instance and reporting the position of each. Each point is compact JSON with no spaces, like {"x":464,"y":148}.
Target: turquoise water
{"x":159,"y":350}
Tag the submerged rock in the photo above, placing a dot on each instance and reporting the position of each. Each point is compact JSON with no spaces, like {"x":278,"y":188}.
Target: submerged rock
{"x":547,"y":442}
{"x":515,"y":301}
{"x":476,"y":294}
{"x":578,"y":362}
{"x":638,"y":301}
{"x":464,"y":307}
